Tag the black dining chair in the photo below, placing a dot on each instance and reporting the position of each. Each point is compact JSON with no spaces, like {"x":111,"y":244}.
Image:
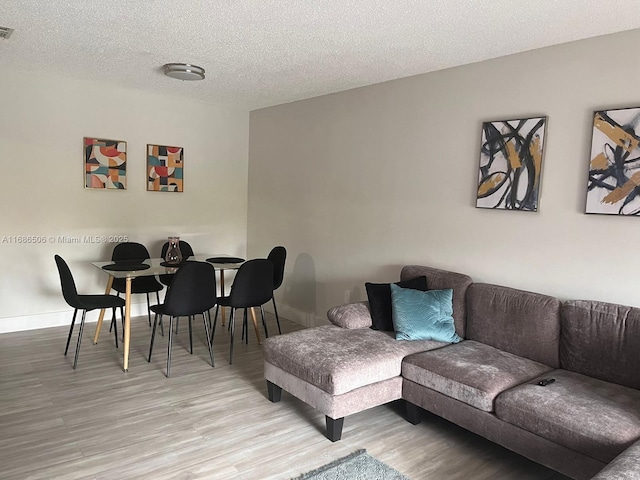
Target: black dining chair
{"x":185,"y":250}
{"x":192,"y":292}
{"x":252,"y":287}
{"x":135,"y":252}
{"x":86,"y":303}
{"x":165,"y":278}
{"x":278,"y":255}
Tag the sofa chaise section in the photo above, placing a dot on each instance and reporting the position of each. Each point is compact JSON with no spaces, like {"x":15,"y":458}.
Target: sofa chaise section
{"x":345,"y":369}
{"x":338,"y":371}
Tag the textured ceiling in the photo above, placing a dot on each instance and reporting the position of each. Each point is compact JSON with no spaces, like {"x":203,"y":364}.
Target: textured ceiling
{"x":259,"y":53}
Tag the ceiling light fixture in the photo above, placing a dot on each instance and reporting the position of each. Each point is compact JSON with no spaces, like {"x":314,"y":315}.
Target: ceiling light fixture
{"x":184,"y":71}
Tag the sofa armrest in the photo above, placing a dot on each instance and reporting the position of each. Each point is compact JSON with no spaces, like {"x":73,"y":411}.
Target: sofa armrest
{"x":351,"y":315}
{"x":625,"y":466}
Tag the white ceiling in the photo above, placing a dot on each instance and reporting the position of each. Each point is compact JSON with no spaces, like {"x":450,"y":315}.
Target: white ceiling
{"x":259,"y":53}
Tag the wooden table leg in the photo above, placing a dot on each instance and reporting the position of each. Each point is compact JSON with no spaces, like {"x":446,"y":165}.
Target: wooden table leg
{"x":255,"y":325}
{"x":127,"y":322}
{"x":101,"y":317}
{"x":222,"y":295}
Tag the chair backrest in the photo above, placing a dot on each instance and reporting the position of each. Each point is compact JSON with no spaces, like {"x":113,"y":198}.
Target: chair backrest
{"x":129,"y":251}
{"x":192,"y":291}
{"x":69,"y":291}
{"x":185,"y":249}
{"x":253,"y":285}
{"x":278,"y":255}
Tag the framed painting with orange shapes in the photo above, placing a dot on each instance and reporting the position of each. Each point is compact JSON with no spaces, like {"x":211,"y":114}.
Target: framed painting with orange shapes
{"x":165,"y":168}
{"x":511,"y":156}
{"x":613,"y":187}
{"x":105,"y":163}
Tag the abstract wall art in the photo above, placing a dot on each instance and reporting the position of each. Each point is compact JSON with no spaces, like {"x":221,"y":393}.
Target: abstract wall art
{"x":165,"y":168}
{"x":614,"y":170}
{"x":511,"y":164}
{"x":105,"y":163}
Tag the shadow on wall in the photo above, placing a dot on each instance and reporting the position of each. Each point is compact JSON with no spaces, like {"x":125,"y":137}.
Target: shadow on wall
{"x":300,"y":286}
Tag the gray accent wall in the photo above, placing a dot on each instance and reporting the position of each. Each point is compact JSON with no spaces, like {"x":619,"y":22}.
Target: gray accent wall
{"x":358,"y":183}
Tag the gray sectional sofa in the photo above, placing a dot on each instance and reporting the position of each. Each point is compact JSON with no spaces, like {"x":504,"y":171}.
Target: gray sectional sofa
{"x":587,"y":419}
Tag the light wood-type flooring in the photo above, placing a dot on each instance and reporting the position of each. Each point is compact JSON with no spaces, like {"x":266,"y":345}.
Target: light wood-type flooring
{"x":203,"y":422}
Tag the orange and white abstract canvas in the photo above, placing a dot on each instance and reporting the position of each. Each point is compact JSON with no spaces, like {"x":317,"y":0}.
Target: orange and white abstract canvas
{"x":105,"y":163}
{"x":165,"y":168}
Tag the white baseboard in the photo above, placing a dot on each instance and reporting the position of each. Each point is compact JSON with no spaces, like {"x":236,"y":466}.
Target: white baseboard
{"x":57,"y":319}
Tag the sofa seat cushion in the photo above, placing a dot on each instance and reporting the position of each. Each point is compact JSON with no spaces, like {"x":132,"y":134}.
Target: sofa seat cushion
{"x":338,"y":360}
{"x":593,"y":417}
{"x":471,"y":372}
{"x":625,"y":466}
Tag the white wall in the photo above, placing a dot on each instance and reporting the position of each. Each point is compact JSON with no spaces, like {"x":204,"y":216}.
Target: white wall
{"x":357,"y":184}
{"x":42,"y":123}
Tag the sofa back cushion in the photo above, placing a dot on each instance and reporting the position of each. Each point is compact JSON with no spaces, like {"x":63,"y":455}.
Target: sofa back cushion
{"x":440,"y":280}
{"x":523,"y":323}
{"x":601,"y":340}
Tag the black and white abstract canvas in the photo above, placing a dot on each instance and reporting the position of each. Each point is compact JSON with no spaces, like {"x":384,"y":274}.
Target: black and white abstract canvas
{"x":614,"y":169}
{"x":511,"y":164}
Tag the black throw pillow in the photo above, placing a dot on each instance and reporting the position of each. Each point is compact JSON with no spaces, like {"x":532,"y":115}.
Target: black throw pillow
{"x":379,"y":295}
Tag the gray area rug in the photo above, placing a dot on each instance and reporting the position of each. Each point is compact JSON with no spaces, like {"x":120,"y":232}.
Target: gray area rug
{"x":357,"y":466}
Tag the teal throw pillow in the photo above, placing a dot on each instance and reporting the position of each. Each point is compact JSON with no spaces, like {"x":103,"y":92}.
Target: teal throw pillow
{"x":423,"y":315}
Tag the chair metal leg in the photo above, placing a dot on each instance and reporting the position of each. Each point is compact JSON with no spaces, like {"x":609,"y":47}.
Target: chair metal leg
{"x":264,"y":323}
{"x":190,"y":335}
{"x":245,"y":327}
{"x":275,"y":310}
{"x":153,"y":334}
{"x":121,"y":316}
{"x":115,"y":325}
{"x":161,"y":327}
{"x":73,"y":322}
{"x":149,"y":309}
{"x":111,"y":326}
{"x":213,"y":328}
{"x":206,"y":319}
{"x":169,"y":346}
{"x":232,"y":322}
{"x":75,"y":361}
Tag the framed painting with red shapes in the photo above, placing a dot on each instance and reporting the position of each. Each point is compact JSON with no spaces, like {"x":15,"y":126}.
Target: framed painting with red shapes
{"x":165,"y":168}
{"x":105,"y":163}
